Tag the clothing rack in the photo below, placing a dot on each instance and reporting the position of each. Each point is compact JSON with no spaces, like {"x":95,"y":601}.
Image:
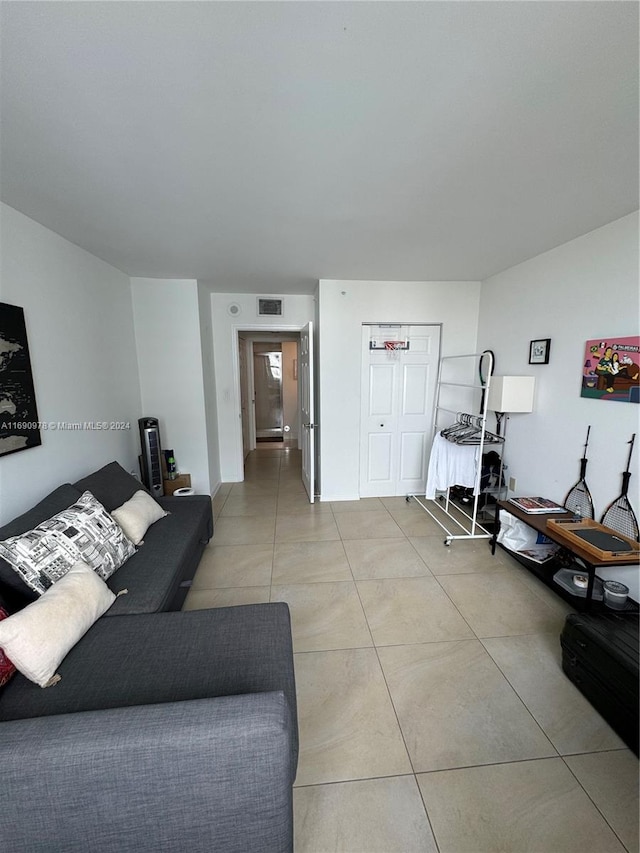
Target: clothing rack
{"x":466,"y":429}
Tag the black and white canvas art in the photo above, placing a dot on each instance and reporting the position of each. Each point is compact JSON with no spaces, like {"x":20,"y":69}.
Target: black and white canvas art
{"x":19,"y":427}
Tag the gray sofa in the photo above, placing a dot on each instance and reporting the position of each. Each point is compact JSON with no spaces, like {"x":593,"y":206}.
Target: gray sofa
{"x":169,"y":730}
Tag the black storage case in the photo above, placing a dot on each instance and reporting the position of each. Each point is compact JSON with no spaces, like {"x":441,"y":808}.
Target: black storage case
{"x":600,"y":656}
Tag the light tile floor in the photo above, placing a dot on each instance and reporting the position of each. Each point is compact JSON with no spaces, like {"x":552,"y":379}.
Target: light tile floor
{"x":433,"y":711}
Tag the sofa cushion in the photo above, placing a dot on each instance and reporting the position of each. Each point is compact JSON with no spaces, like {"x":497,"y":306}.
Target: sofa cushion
{"x":84,"y":531}
{"x":136,"y":515}
{"x":37,"y":638}
{"x":111,"y":485}
{"x":169,"y":556}
{"x":59,"y":499}
{"x":167,"y":657}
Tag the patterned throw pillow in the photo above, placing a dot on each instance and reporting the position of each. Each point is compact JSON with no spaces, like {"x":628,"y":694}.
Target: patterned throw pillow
{"x":83,"y":532}
{"x":7,"y":669}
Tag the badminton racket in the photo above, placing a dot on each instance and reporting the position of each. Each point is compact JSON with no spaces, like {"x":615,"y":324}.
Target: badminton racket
{"x":484,"y":371}
{"x":579,"y":499}
{"x":619,"y":515}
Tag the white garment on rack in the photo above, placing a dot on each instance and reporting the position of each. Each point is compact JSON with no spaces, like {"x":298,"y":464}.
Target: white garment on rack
{"x":451,"y":464}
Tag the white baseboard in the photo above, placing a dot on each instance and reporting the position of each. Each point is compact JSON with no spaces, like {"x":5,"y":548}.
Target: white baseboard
{"x":336,"y":498}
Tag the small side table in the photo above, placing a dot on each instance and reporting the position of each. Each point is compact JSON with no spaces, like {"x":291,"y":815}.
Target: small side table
{"x":182,"y":481}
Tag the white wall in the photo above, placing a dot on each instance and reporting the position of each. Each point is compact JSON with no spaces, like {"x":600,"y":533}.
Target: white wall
{"x":343,"y":307}
{"x":584,"y":289}
{"x":209,"y":380}
{"x":167,"y":330}
{"x":299,"y":310}
{"x":80,"y":328}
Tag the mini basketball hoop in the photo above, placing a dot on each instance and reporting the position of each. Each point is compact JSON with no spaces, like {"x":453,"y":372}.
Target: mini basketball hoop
{"x":393,"y":348}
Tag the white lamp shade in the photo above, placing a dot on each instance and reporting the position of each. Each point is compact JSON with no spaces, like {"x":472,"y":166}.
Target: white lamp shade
{"x":511,"y":393}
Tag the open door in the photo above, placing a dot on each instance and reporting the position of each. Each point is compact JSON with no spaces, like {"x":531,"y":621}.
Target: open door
{"x":307,"y":436}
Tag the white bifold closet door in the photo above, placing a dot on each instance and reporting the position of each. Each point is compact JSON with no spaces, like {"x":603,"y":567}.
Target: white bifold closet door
{"x":397,"y":399}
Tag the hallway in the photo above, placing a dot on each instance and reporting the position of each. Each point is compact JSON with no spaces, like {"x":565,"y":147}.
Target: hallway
{"x":433,"y":712}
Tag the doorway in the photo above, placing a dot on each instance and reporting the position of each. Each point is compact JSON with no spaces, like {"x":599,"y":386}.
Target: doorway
{"x":269,"y":396}
{"x":267,"y":379}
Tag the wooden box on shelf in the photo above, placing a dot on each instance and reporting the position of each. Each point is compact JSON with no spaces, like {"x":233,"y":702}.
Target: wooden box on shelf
{"x":182,"y":481}
{"x":608,"y":546}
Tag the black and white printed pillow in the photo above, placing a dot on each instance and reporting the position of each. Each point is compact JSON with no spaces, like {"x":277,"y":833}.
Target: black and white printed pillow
{"x":83,"y":532}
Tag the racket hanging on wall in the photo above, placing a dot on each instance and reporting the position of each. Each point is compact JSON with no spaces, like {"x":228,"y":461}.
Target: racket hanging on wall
{"x":486,"y":367}
{"x":619,"y":515}
{"x":579,"y":499}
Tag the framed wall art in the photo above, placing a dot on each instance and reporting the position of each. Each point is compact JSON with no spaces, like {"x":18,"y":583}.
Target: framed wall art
{"x":611,"y":369}
{"x":539,"y":351}
{"x":19,"y":427}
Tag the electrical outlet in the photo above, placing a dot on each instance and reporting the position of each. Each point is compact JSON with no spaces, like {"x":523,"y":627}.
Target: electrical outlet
{"x":512,"y":484}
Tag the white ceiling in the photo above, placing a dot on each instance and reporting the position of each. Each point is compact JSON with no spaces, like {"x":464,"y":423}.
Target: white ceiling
{"x":261,"y":146}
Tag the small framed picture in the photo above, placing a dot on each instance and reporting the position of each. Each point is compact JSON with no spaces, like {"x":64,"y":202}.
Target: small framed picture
{"x":539,"y":351}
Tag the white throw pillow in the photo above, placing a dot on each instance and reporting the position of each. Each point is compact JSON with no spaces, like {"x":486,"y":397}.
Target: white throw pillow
{"x":37,"y":638}
{"x":136,"y":515}
{"x":83,"y":532}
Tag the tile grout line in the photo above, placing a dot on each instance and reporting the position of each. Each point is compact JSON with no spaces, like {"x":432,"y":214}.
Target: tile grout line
{"x":395,"y":712}
{"x":479,"y":640}
{"x":590,"y":798}
{"x":475,"y":636}
{"x":520,"y":699}
{"x":275,"y":528}
{"x":364,"y":612}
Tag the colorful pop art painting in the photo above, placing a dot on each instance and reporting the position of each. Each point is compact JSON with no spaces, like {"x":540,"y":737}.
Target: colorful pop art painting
{"x":611,"y":369}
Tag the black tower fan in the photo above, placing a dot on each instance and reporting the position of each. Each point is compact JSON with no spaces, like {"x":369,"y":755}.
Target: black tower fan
{"x":151,"y":468}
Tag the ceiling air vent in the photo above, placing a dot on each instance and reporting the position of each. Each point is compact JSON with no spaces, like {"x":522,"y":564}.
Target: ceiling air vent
{"x":270,"y":307}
